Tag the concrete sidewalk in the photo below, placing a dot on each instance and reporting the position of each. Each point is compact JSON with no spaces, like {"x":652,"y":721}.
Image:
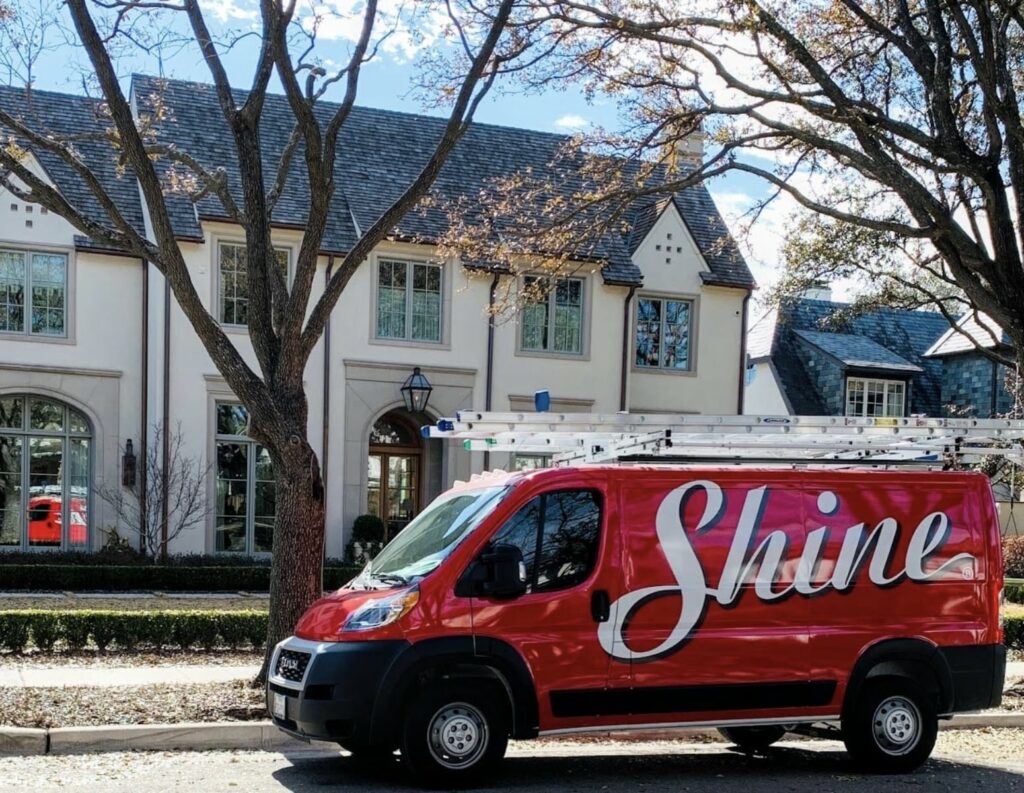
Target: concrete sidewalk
{"x":113,"y":676}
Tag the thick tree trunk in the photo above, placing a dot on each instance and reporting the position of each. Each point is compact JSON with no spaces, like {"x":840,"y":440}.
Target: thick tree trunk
{"x":296,"y":573}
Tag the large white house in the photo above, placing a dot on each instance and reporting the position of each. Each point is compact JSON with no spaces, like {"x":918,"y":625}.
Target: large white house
{"x":95,"y":353}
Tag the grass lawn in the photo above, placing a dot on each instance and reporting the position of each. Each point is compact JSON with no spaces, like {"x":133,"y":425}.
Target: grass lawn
{"x":1013,"y":610}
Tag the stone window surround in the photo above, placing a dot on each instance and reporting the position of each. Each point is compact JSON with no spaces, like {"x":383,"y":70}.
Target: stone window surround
{"x":447,"y":277}
{"x":69,"y":293}
{"x":230,"y":239}
{"x":585,"y":310}
{"x":694,"y":301}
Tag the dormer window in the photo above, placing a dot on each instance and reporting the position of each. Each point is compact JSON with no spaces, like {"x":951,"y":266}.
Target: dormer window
{"x":869,"y":397}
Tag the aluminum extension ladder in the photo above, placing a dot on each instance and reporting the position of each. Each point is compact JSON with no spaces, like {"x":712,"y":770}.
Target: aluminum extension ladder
{"x":573,"y":438}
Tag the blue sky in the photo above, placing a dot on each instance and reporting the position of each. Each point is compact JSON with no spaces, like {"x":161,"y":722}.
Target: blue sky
{"x":387,"y":83}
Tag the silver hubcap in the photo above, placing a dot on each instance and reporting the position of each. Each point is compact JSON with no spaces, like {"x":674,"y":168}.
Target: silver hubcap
{"x":896,"y":725}
{"x":458,"y":735}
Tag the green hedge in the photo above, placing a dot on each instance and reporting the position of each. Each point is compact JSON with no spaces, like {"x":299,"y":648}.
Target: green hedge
{"x":1014,"y":593}
{"x":1013,"y":627}
{"x":131,"y":630}
{"x":165,"y":578}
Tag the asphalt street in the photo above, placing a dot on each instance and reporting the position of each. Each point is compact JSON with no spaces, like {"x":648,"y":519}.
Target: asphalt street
{"x":987,"y":762}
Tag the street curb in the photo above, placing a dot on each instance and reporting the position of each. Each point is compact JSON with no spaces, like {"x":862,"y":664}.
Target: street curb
{"x":264,"y":736}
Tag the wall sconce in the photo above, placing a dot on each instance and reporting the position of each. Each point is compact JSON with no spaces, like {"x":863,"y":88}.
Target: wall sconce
{"x":128,"y":465}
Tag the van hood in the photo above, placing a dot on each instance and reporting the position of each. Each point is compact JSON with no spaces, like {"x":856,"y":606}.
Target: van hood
{"x":323,"y":620}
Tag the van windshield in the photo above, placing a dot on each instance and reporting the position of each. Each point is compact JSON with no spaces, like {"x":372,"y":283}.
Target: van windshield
{"x":432,"y":536}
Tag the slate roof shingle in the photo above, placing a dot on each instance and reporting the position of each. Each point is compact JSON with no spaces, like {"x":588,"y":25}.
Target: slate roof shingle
{"x":381,"y":151}
{"x":904,"y":335}
{"x":858,"y":352}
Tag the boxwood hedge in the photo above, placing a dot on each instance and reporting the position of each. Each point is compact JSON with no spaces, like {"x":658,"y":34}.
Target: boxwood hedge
{"x":206,"y":629}
{"x":163,"y":578}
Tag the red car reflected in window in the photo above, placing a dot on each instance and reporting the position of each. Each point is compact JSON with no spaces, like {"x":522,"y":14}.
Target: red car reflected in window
{"x":45,"y":521}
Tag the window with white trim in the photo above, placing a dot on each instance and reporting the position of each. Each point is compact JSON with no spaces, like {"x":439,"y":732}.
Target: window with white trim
{"x":663,"y":333}
{"x":233,"y":282}
{"x":552,"y":319}
{"x":33,"y":292}
{"x":870,"y":397}
{"x":408,"y":300}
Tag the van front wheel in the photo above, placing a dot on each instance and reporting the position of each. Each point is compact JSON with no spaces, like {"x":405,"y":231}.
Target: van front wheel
{"x":455,"y":735}
{"x":753,"y":739}
{"x":892,"y":729}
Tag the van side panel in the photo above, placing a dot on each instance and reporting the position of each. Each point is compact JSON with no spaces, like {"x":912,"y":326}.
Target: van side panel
{"x":875,"y":600}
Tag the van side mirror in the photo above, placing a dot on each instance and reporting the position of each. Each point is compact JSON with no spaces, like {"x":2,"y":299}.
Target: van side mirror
{"x":499,"y":572}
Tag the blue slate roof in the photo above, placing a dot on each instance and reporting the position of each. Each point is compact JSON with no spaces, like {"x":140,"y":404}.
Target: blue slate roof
{"x":856,"y":351}
{"x":64,"y":115}
{"x":904,"y":336}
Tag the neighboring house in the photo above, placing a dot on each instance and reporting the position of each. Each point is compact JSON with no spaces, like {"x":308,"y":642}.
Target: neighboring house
{"x":972,"y":383}
{"x":94,"y":352}
{"x":811,"y":357}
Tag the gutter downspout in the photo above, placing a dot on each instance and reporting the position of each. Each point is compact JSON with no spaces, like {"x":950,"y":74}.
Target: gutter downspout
{"x":624,"y":373}
{"x":741,"y":386}
{"x":489,"y":380}
{"x":166,"y":421}
{"x":326,"y":423}
{"x":144,"y":433}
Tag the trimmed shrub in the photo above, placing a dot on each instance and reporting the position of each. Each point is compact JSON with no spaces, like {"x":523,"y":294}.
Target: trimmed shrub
{"x":127,"y":629}
{"x":1013,"y":628}
{"x":14,"y":630}
{"x":1013,"y":557}
{"x":45,"y":630}
{"x":1014,"y":593}
{"x":165,"y":578}
{"x":368,"y":528}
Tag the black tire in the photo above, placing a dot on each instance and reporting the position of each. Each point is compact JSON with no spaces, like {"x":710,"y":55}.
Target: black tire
{"x":892,"y":727}
{"x":753,"y":739}
{"x":368,"y":753}
{"x":469,"y":715}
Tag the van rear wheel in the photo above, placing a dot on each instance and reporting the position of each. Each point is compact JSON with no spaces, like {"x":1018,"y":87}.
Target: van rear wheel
{"x":456,"y":734}
{"x":753,"y":739}
{"x":892,"y":728}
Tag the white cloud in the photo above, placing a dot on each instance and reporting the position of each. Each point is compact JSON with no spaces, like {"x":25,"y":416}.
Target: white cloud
{"x":406,"y":28}
{"x":571,"y":121}
{"x":230,"y":10}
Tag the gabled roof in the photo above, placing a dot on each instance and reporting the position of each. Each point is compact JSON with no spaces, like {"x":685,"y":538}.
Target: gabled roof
{"x":726,"y":265}
{"x":903,"y":335}
{"x":65,"y":115}
{"x":857,"y":352}
{"x":972,"y":331}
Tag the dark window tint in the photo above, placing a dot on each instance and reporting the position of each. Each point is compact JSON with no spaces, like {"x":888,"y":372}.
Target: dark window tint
{"x":571,"y":529}
{"x":568,"y":549}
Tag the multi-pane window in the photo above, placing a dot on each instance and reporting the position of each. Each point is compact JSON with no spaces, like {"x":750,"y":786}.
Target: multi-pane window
{"x":408,"y":300}
{"x":552,"y":320}
{"x":33,"y":292}
{"x":44,"y":474}
{"x":663,"y":332}
{"x":559,"y":534}
{"x":868,"y":397}
{"x":245,"y":499}
{"x":233,"y":282}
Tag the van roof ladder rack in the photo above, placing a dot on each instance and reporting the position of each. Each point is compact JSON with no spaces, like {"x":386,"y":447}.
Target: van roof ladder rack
{"x":660,"y":437}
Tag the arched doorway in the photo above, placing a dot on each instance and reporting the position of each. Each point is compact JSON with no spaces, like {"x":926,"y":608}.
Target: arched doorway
{"x":394,"y":468}
{"x":45,"y":450}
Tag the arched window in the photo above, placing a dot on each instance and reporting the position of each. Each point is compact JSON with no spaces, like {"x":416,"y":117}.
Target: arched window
{"x":45,"y":449}
{"x":393,"y":471}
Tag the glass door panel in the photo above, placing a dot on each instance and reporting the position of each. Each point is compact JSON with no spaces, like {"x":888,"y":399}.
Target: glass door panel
{"x":78,"y":489}
{"x":45,"y":507}
{"x":402,"y":482}
{"x":10,"y":491}
{"x":232,"y":479}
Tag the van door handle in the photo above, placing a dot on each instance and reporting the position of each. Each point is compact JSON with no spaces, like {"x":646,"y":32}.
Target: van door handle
{"x":600,"y":605}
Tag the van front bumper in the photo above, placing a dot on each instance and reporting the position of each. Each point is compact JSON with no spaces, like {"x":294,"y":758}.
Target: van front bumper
{"x":329,"y":689}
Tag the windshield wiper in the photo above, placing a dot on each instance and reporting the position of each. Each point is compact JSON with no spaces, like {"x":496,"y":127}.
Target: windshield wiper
{"x":390,"y":578}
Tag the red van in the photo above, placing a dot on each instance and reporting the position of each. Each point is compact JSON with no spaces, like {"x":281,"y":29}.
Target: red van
{"x":758,"y":601}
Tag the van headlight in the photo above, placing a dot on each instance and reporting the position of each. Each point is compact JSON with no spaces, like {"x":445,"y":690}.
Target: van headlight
{"x":383,"y":611}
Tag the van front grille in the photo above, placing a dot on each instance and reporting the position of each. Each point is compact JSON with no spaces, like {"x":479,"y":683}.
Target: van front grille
{"x":291,"y":665}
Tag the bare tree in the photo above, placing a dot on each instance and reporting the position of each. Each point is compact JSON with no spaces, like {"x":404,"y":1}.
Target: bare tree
{"x":285,"y":320}
{"x":29,"y":31}
{"x":896,"y":125}
{"x":184,"y":497}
